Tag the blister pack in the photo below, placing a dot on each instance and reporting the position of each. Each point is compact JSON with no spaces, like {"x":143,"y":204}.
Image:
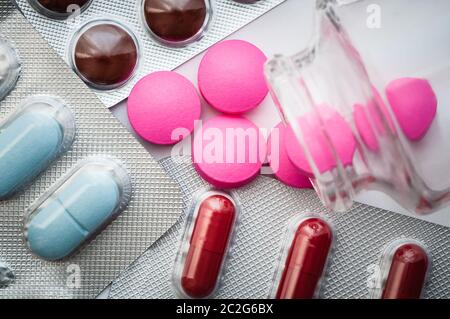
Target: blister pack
{"x":80,"y":198}
{"x":354,"y":252}
{"x":143,"y":35}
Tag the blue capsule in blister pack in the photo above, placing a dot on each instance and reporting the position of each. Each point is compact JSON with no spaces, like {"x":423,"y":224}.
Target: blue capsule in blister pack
{"x":30,"y":139}
{"x":77,"y":208}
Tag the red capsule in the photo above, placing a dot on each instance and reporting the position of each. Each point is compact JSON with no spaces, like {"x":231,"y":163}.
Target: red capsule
{"x":306,"y":260}
{"x":208,"y":246}
{"x":407,"y":274}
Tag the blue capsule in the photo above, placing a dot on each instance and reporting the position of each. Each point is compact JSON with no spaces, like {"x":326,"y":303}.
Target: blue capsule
{"x":30,"y":140}
{"x":80,"y":206}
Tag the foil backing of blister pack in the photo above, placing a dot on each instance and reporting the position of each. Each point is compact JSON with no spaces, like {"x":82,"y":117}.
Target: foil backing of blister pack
{"x":156,"y":201}
{"x":267,"y":207}
{"x":228,"y":16}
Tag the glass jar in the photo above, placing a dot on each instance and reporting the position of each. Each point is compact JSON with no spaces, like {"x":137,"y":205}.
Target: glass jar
{"x":368,"y":101}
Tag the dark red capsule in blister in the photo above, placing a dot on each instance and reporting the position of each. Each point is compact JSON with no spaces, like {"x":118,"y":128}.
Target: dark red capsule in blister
{"x":306,"y":260}
{"x":208,"y":246}
{"x":407,"y":273}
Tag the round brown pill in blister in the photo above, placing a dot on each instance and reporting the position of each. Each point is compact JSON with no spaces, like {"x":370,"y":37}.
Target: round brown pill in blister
{"x":62,"y":6}
{"x":59,"y":9}
{"x":105,"y":55}
{"x":176,"y":21}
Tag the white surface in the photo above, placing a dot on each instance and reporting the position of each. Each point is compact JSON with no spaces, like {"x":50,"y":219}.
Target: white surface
{"x":286,"y":30}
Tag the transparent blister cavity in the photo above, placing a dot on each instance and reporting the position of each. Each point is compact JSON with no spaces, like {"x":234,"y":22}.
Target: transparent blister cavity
{"x":59,"y":9}
{"x":105,"y":53}
{"x":361,"y":101}
{"x":305,"y":254}
{"x":205,"y":245}
{"x":10,"y":67}
{"x":77,"y":208}
{"x":404,"y":268}
{"x":32,"y":137}
{"x":176,"y":23}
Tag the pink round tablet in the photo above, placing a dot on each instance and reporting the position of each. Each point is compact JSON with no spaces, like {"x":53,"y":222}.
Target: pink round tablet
{"x":231,"y":77}
{"x":163,"y":106}
{"x":372,"y":120}
{"x":337,"y":129}
{"x":281,"y":165}
{"x":414,"y":104}
{"x":228,"y":151}
{"x":361,"y":115}
{"x":387,"y":116}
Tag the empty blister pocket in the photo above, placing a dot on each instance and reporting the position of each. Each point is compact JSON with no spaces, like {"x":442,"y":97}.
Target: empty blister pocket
{"x":77,"y":208}
{"x":9,"y":68}
{"x":30,"y":139}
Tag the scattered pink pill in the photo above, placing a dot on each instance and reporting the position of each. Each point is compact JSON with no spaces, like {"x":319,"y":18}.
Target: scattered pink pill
{"x":364,"y":126}
{"x":161,"y":103}
{"x":338,"y":130}
{"x":281,"y":165}
{"x":228,"y":151}
{"x":380,"y":102}
{"x":414,"y":104}
{"x":369,"y":121}
{"x":231,"y":76}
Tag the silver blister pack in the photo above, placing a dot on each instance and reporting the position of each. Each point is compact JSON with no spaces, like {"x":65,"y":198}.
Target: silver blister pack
{"x":227,"y":17}
{"x":267,"y":207}
{"x":155,"y":204}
